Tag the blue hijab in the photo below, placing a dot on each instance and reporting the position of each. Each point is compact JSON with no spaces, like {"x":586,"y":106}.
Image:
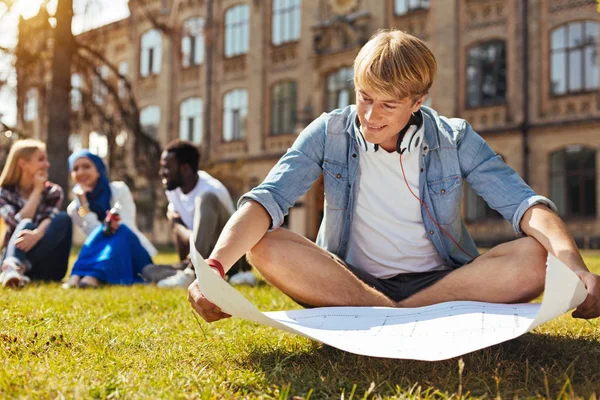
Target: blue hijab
{"x":99,"y":197}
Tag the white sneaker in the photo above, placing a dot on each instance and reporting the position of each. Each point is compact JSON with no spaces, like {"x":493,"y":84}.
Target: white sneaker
{"x":182,"y":279}
{"x":243,"y":278}
{"x":12,"y":276}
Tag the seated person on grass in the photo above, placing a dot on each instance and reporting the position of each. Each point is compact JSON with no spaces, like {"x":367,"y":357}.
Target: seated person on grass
{"x":113,"y":254}
{"x":199,"y":205}
{"x":392,"y":233}
{"x":38,"y":235}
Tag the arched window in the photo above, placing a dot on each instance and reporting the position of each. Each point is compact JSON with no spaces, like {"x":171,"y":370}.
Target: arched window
{"x":574,"y":58}
{"x":235,"y":114}
{"x":573,"y":181}
{"x":486,"y":74}
{"x":150,"y":55}
{"x":30,"y":112}
{"x":340,"y":88}
{"x":192,"y":42}
{"x":283,"y":108}
{"x":285,"y":25}
{"x":150,"y":119}
{"x":237,"y":32}
{"x":190,"y":120}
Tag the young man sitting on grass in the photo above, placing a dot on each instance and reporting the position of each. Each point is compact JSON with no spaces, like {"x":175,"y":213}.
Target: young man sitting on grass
{"x":392,"y":234}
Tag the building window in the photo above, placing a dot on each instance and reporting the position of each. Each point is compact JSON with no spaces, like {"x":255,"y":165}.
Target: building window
{"x":123,"y":71}
{"x":486,"y":74}
{"x":76,"y":96}
{"x":99,"y":82}
{"x":237,"y":33}
{"x":190,"y":120}
{"x":574,"y":58}
{"x":235,"y":113}
{"x":340,"y":88}
{"x":286,"y":21}
{"x":283,"y":108}
{"x":150,"y":119}
{"x":476,"y":208}
{"x":573,"y":181}
{"x":192,"y":42}
{"x":150,"y":56}
{"x":402,"y":7}
{"x":30,"y":113}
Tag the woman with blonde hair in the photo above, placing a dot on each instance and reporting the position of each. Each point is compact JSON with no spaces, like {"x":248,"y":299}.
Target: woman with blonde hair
{"x":37,"y":242}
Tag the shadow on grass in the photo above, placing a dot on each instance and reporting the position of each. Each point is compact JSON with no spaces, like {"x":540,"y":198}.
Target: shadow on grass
{"x":531,"y":365}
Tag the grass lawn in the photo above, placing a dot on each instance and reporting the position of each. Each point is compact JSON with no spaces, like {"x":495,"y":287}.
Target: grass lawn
{"x":143,"y":342}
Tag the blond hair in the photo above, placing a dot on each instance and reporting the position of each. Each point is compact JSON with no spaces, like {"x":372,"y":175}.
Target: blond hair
{"x":395,"y":64}
{"x":21,"y":149}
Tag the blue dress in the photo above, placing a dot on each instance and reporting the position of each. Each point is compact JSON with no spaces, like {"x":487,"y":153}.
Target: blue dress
{"x":116,"y":259}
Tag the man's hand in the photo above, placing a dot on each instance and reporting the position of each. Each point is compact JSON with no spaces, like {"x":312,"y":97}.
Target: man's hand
{"x":207,"y":310}
{"x":28,"y":239}
{"x":173,"y":217}
{"x":590,"y":308}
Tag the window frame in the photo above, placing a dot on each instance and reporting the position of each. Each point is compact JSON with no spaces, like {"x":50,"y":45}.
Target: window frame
{"x":238,"y":25}
{"x":238,"y":118}
{"x":567,"y":50}
{"x":284,"y":113}
{"x":187,"y":118}
{"x":144,"y":111}
{"x":340,"y":74}
{"x":149,"y":52}
{"x":564,"y":203}
{"x":197,"y":42}
{"x":482,"y":47}
{"x":409,"y":7}
{"x":282,"y":12}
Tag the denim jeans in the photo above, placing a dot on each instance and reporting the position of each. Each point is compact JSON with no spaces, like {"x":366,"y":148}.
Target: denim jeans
{"x":49,"y":258}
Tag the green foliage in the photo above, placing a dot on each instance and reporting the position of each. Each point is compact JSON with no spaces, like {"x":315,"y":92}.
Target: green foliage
{"x":144,"y":342}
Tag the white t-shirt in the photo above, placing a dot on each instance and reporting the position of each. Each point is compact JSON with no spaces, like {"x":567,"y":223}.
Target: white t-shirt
{"x":183,"y":203}
{"x":387,"y":235}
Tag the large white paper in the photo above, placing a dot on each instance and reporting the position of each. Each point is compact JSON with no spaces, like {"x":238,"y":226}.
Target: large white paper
{"x":429,"y":333}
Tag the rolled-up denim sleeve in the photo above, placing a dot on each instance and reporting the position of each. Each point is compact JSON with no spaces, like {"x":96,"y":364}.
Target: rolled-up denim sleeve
{"x":491,"y":178}
{"x":293,"y":174}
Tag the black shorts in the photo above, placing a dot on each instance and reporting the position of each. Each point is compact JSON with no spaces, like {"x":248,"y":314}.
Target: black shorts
{"x":398,"y":287}
{"x":401,"y":286}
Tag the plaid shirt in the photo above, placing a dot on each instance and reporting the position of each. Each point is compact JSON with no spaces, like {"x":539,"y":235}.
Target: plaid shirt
{"x":11,"y":204}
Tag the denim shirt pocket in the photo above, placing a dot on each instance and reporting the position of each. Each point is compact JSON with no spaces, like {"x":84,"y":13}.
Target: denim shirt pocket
{"x":335,"y":176}
{"x":445,"y":195}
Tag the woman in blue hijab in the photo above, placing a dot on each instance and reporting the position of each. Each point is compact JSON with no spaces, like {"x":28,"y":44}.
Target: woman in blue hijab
{"x":114,"y":251}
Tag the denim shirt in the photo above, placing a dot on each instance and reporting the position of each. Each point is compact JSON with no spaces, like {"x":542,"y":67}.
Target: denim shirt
{"x":451,"y":151}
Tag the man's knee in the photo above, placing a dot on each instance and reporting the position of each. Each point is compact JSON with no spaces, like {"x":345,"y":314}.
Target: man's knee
{"x":264,"y":253}
{"x":532,"y":257}
{"x":206,"y":202}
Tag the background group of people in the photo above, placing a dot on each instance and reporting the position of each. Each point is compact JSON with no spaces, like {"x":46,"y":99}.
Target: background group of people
{"x":38,"y":237}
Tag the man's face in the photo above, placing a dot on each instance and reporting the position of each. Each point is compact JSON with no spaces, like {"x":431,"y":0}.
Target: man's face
{"x":382,"y":119}
{"x":170,"y":171}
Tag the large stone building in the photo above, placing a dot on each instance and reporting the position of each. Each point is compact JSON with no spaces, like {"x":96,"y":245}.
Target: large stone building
{"x":242,"y":77}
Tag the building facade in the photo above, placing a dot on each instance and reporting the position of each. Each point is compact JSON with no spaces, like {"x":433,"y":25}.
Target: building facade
{"x":241,"y":78}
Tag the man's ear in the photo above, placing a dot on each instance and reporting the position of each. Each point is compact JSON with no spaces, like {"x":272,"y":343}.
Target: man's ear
{"x":418,"y":103}
{"x":185,"y":169}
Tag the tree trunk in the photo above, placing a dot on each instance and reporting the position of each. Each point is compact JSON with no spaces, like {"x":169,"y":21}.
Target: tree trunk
{"x":59,"y":102}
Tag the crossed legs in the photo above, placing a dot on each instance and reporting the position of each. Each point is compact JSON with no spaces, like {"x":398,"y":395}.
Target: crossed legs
{"x":512,"y":272}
